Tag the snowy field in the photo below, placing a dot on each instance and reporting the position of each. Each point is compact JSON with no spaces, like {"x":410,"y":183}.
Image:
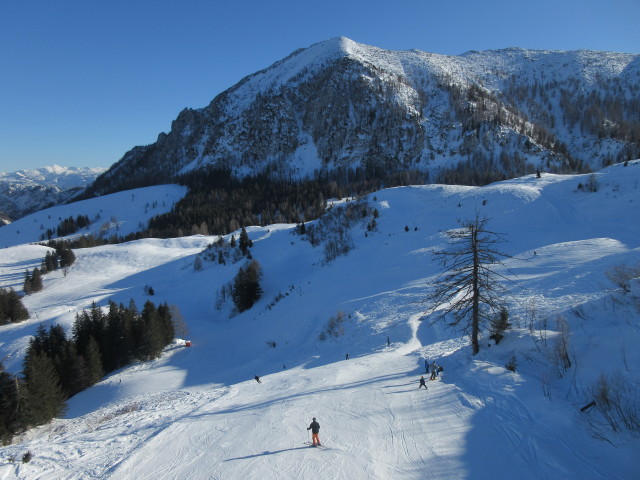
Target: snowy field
{"x":197,"y":413}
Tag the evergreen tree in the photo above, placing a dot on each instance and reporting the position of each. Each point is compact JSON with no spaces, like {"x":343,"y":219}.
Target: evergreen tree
{"x":244,"y":242}
{"x":149,"y":333}
{"x":42,"y":398}
{"x":26,"y":287}
{"x":73,"y":378}
{"x":197,"y":263}
{"x":9,"y":403}
{"x":17,"y":311}
{"x":118,"y":341}
{"x":50,"y":263}
{"x":93,"y":362}
{"x":66,"y":256}
{"x":53,"y":342}
{"x":88,"y":324}
{"x":11,"y":308}
{"x":166,"y":324}
{"x":36,"y":280}
{"x":246,"y":286}
{"x":81,"y":331}
{"x":499,"y":325}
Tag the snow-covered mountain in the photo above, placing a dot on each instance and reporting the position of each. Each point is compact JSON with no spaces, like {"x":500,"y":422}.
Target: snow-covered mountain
{"x":341,"y":104}
{"x":27,"y":191}
{"x":197,"y":412}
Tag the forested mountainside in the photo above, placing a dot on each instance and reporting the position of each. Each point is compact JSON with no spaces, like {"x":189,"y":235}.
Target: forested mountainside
{"x":342,"y":106}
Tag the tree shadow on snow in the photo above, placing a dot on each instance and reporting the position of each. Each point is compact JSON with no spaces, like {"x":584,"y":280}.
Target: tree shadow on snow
{"x":267,"y":452}
{"x":279,"y":399}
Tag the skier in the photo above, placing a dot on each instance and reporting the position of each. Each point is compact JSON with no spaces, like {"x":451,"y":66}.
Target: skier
{"x":426,"y":366}
{"x":347,"y":357}
{"x":257,"y":379}
{"x":422,"y":384}
{"x":434,"y":370}
{"x":315,"y":430}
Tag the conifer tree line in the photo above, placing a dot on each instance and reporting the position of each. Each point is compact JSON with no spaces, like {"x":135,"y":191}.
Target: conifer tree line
{"x":56,"y":367}
{"x":32,"y":281}
{"x":245,"y":287}
{"x":63,"y":257}
{"x":68,"y":226}
{"x":218,"y":203}
{"x":90,"y":240}
{"x":72,"y":225}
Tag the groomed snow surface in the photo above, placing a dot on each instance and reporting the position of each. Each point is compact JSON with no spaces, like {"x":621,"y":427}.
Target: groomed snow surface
{"x":197,"y":413}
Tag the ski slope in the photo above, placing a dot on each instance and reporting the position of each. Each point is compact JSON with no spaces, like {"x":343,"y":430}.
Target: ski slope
{"x":197,"y":413}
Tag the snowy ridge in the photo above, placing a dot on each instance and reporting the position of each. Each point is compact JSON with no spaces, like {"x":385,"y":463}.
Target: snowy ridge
{"x":26,"y":191}
{"x":551,"y":64}
{"x":197,"y":412}
{"x":308,"y":60}
{"x":62,"y":177}
{"x":342,"y":104}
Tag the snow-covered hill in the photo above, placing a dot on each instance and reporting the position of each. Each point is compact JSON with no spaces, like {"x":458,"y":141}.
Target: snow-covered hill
{"x":197,"y":412}
{"x":118,"y":214}
{"x":341,"y":104}
{"x":27,"y":191}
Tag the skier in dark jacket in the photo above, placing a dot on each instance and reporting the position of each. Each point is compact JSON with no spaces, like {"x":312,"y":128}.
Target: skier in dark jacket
{"x":315,"y":430}
{"x":257,"y":379}
{"x":422,"y":384}
{"x":434,"y":370}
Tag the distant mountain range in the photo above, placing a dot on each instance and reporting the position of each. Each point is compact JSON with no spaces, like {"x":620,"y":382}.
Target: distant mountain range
{"x":27,"y":191}
{"x":339,"y":105}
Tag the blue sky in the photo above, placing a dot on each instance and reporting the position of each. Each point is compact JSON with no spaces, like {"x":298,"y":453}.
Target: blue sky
{"x":83,"y":81}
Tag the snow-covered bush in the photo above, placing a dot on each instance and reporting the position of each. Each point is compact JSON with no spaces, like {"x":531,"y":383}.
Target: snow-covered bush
{"x":334,"y":327}
{"x":622,"y":276}
{"x":617,"y":406}
{"x":197,"y":263}
{"x":499,"y":325}
{"x":559,"y":351}
{"x":332,"y":230}
{"x":511,"y":364}
{"x":222,"y":252}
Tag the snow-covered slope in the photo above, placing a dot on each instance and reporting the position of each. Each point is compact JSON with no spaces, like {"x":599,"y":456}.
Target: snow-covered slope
{"x":118,"y":214}
{"x":197,"y":412}
{"x":27,"y":191}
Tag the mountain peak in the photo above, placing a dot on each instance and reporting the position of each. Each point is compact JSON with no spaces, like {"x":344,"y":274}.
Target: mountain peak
{"x":342,"y":104}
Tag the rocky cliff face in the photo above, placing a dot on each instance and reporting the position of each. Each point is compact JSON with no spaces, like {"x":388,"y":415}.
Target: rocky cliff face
{"x":340,"y":104}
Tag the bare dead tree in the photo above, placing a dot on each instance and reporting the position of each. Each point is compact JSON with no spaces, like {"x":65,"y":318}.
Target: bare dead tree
{"x":468,"y":287}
